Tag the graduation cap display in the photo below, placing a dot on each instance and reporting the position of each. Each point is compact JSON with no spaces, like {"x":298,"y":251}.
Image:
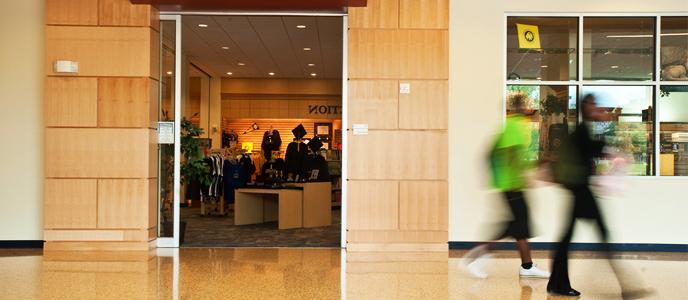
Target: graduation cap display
{"x":299,"y":132}
{"x":315,"y":144}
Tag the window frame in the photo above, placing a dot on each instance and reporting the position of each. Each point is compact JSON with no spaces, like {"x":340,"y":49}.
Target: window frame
{"x":656,"y":83}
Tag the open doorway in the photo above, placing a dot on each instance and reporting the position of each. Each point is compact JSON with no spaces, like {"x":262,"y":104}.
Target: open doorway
{"x":261,"y":102}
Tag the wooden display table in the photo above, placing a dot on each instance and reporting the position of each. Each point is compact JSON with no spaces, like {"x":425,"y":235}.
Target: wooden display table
{"x":253,"y":206}
{"x":317,"y":203}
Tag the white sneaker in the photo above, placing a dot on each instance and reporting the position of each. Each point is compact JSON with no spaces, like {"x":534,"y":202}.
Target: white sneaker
{"x":476,"y":269}
{"x":533,"y":272}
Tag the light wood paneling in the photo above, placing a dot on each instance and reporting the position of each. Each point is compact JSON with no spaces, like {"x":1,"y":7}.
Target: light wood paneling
{"x":423,"y":205}
{"x":99,"y":153}
{"x":423,"y":54}
{"x":306,"y":87}
{"x":71,"y":12}
{"x":281,"y":109}
{"x":95,"y":235}
{"x":424,"y":14}
{"x":123,"y":13}
{"x":101,"y":51}
{"x":375,"y":54}
{"x":404,"y":155}
{"x":396,"y":236}
{"x":154,"y":55}
{"x":152,"y":207}
{"x":373,"y":205}
{"x":71,"y":102}
{"x":69,"y":203}
{"x":426,"y":106}
{"x":374,"y":102}
{"x":123,"y":203}
{"x":397,"y":247}
{"x":377,"y":14}
{"x":127,"y":102}
{"x":99,"y":246}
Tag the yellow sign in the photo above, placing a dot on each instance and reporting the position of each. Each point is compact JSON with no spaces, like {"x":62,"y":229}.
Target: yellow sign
{"x":248,"y":146}
{"x":528,"y":36}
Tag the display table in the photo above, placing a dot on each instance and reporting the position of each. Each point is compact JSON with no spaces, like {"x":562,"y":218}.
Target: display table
{"x":317,"y":203}
{"x":256,"y":205}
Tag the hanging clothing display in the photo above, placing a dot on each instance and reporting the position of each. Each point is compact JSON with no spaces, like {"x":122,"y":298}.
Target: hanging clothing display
{"x":271,"y":142}
{"x":214,"y":163}
{"x":297,"y":151}
{"x":246,"y":162}
{"x":234,"y":177}
{"x":229,"y":139}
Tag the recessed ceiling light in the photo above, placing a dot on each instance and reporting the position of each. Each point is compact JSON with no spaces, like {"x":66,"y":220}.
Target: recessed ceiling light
{"x":169,"y":72}
{"x":314,"y":74}
{"x":307,"y":49}
{"x":300,"y":26}
{"x":539,"y":78}
{"x":544,"y":66}
{"x":241,"y":64}
{"x":225,"y":48}
{"x":271,"y":73}
{"x":203,"y":25}
{"x":229,"y":73}
{"x":311,"y":65}
{"x":614,"y":67}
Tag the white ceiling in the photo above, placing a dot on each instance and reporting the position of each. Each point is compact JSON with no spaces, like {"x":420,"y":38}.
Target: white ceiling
{"x":264,"y":44}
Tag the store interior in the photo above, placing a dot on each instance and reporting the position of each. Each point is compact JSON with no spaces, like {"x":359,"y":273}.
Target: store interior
{"x":261,"y":134}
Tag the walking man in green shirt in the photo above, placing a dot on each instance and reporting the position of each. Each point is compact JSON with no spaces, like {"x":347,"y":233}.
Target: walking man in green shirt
{"x":508,"y":165}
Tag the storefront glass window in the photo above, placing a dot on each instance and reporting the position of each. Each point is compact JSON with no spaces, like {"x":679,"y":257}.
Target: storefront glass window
{"x":618,"y":48}
{"x":673,"y":118}
{"x":674,"y":52}
{"x":542,"y":48}
{"x":627,"y":128}
{"x":552,"y":112}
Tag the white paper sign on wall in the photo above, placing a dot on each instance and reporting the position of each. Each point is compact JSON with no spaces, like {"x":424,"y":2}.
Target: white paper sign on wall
{"x":165,"y":132}
{"x":360,"y":129}
{"x":404,"y":88}
{"x":66,"y":66}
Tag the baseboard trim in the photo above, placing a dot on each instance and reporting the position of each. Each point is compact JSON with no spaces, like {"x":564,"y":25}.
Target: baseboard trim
{"x":21,"y":244}
{"x":631,"y":247}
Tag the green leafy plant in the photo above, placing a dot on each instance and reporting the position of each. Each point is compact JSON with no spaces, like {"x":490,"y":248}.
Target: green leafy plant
{"x":193,"y":167}
{"x":553,"y":106}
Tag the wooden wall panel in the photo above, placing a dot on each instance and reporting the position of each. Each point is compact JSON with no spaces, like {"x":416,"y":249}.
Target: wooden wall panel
{"x":69,"y":203}
{"x":306,"y":87}
{"x":423,"y":205}
{"x":152,"y":207}
{"x":397,"y":236}
{"x":281,"y":109}
{"x":374,"y":102}
{"x":426,"y":106}
{"x":373,"y":205}
{"x":99,"y":153}
{"x":423,"y":54}
{"x":377,"y":14}
{"x":375,"y":54}
{"x":100,"y":51}
{"x":426,"y":14}
{"x":127,"y":102}
{"x":123,"y":13}
{"x":155,"y":67}
{"x":71,"y":12}
{"x":123,"y":203}
{"x":401,"y":155}
{"x":95,"y":235}
{"x":71,"y":102}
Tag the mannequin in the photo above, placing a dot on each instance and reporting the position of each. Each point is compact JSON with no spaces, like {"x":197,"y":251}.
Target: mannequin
{"x":297,"y":152}
{"x":271,"y":142}
{"x":316,"y":166}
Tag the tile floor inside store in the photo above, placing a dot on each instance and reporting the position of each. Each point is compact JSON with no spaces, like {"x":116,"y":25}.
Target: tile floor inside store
{"x":216,"y":231}
{"x":279,"y":273}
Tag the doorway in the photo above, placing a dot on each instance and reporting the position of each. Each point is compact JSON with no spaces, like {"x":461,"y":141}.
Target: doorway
{"x":233,"y":85}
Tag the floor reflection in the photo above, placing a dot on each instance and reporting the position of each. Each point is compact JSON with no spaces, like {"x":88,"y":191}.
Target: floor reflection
{"x":224,"y":273}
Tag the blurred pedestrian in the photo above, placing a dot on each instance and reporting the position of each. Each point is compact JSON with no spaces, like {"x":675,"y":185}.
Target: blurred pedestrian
{"x":508,"y":165}
{"x":573,"y":168}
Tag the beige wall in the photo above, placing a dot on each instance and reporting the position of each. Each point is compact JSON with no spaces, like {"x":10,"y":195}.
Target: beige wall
{"x":652,"y":210}
{"x":21,"y":95}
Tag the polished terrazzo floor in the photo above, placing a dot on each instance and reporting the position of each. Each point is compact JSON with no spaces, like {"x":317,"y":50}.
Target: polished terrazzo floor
{"x":280,"y":273}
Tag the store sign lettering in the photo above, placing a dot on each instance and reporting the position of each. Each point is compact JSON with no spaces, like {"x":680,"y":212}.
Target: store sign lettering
{"x":324,"y":109}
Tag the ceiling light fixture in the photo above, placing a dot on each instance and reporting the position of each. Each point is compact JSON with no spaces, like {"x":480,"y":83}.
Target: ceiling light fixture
{"x":307,"y":49}
{"x":271,"y":73}
{"x":241,"y":64}
{"x":203,"y":25}
{"x":539,"y":78}
{"x":544,"y":66}
{"x":229,"y":73}
{"x":314,"y":74}
{"x":311,"y":65}
{"x":631,"y":36}
{"x":614,"y":67}
{"x":169,"y":72}
{"x":225,"y":48}
{"x":301,"y":26}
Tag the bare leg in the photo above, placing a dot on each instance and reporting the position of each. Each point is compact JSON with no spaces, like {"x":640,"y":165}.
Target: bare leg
{"x":524,"y":251}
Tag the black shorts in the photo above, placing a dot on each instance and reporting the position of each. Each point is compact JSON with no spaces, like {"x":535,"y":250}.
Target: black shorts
{"x":519,"y":226}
